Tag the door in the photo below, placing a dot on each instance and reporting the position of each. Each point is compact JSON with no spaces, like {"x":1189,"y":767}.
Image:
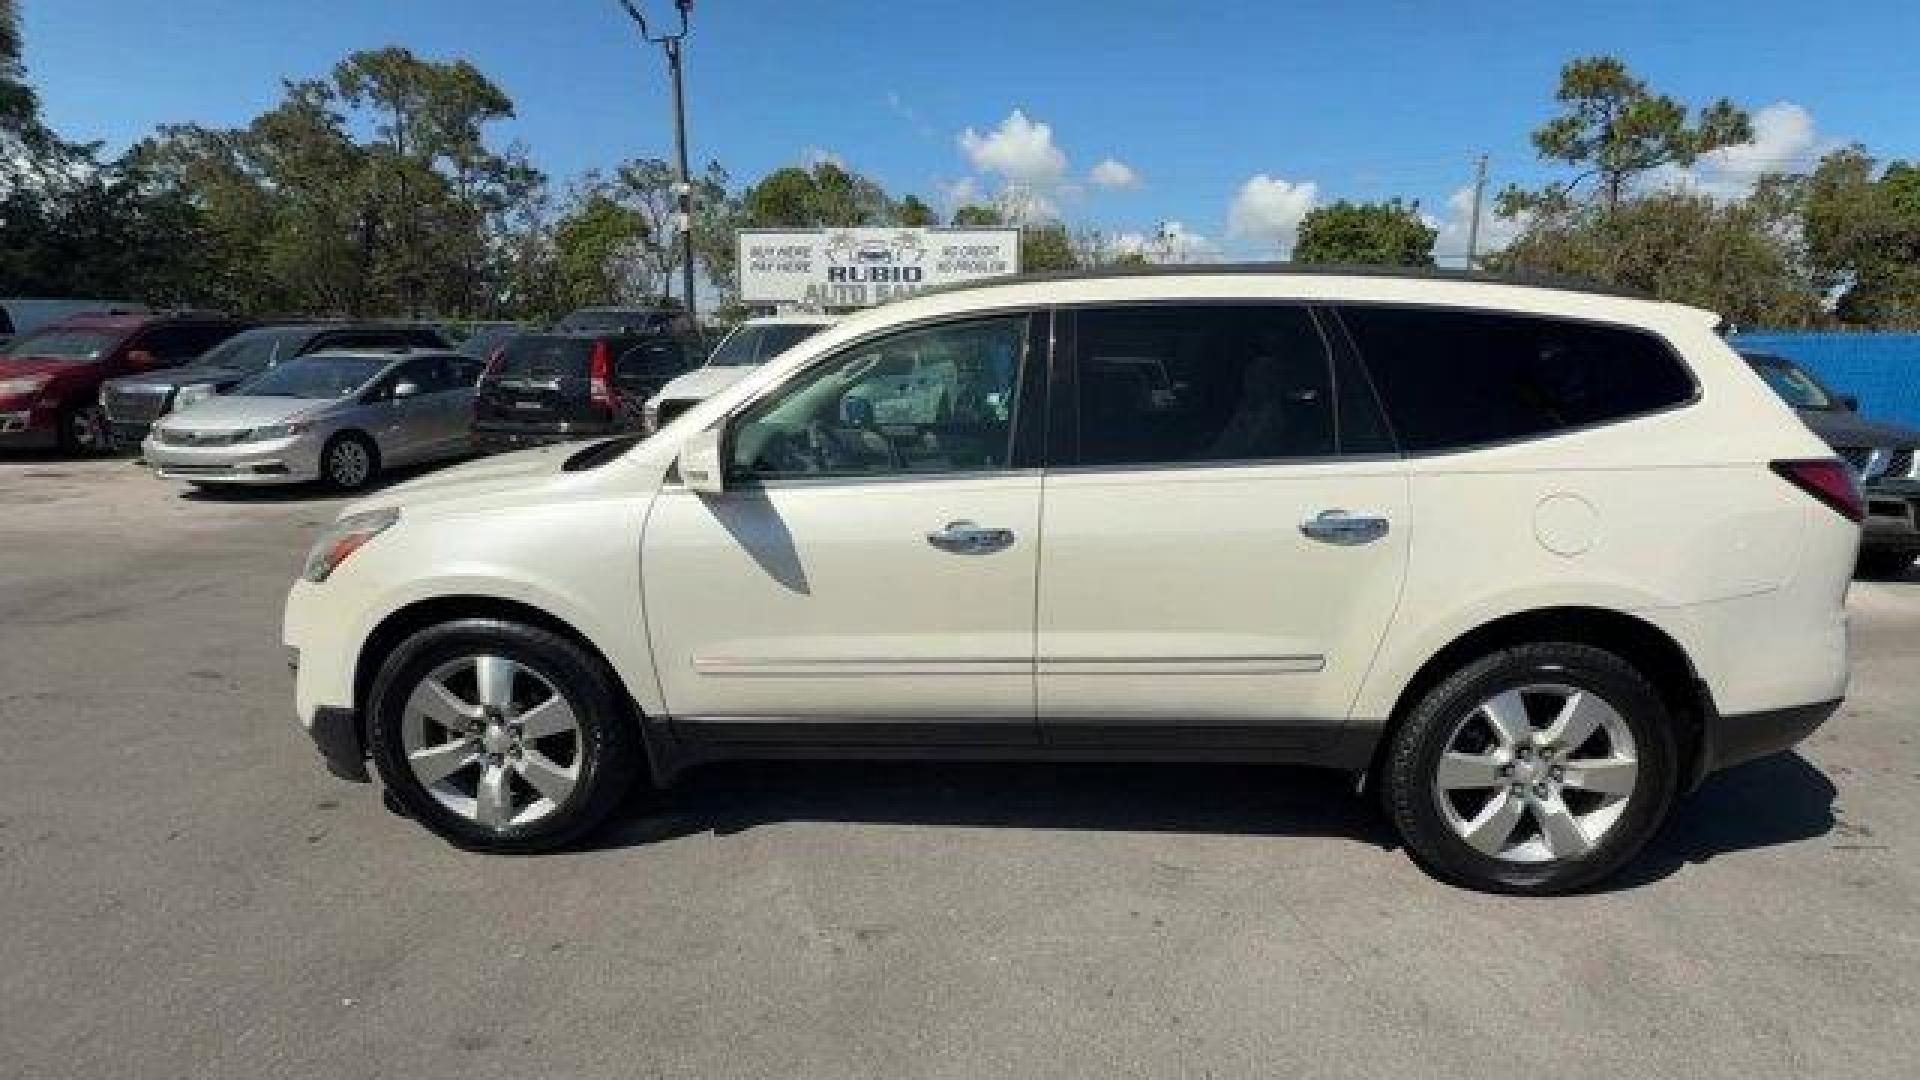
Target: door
{"x":1226,"y":534}
{"x":868,"y":575}
{"x":408,"y":426}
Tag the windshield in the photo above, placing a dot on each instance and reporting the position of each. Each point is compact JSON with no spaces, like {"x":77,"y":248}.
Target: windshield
{"x":749,"y":345}
{"x":255,"y":350}
{"x":1796,"y":386}
{"x":71,"y":346}
{"x":315,"y":377}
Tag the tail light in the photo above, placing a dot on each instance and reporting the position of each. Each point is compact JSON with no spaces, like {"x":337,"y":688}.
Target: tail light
{"x":1829,"y":481}
{"x":599,"y":390}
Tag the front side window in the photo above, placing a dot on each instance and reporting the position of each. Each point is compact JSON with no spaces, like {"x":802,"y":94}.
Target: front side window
{"x":1209,"y":383}
{"x":936,"y":400}
{"x":1454,"y":379}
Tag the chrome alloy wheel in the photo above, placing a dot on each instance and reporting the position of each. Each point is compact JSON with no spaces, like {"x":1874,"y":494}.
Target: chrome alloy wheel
{"x":348,"y":464}
{"x":492,"y":740}
{"x":1537,"y":773}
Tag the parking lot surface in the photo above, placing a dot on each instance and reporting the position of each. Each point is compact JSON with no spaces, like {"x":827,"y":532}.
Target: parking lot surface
{"x":187,"y":893}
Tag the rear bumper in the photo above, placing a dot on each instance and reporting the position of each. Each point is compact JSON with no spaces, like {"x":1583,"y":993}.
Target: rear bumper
{"x":1726,"y":741}
{"x":1893,"y":516}
{"x":493,"y":438}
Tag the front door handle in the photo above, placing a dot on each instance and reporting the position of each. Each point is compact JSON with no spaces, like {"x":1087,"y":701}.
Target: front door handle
{"x":966,"y":538}
{"x":1340,"y":527}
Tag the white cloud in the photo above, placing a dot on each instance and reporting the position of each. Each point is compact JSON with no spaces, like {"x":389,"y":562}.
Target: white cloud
{"x":1268,"y":210}
{"x":816,"y":155}
{"x":1020,"y":150}
{"x":1113,"y":173}
{"x":1785,"y":139}
{"x":1450,"y":246}
{"x":959,"y":193}
{"x":1171,"y":242}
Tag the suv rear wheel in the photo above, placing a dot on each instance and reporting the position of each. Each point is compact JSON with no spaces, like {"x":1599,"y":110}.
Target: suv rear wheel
{"x":501,"y":737}
{"x":1538,"y":769}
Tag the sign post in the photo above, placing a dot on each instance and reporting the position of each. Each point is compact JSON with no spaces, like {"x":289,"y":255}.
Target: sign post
{"x":851,"y":268}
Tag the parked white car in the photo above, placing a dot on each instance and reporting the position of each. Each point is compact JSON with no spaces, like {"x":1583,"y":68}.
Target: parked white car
{"x":746,"y":347}
{"x":1532,"y":561}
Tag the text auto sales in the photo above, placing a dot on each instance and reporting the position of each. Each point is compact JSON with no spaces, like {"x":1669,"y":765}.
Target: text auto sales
{"x":859,"y":286}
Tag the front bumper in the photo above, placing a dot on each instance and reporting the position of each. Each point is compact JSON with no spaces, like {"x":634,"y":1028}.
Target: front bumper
{"x":279,"y":461}
{"x":1726,"y":741}
{"x":17,"y":430}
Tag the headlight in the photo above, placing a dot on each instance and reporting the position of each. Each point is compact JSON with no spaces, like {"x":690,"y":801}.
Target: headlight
{"x":193,"y":394}
{"x":343,"y":538}
{"x":31,"y":384}
{"x":274,"y":431}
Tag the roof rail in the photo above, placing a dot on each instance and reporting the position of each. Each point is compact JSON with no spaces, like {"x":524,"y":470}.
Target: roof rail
{"x":1413,"y":273}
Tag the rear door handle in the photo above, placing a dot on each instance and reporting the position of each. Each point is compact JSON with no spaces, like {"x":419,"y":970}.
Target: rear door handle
{"x":1340,"y":527}
{"x":966,"y":538}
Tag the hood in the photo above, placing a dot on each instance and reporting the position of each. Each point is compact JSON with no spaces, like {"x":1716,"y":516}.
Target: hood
{"x":234,"y":413}
{"x":181,"y":376}
{"x":14,"y":367}
{"x":702,"y":383}
{"x":1840,"y":428}
{"x":503,"y":472}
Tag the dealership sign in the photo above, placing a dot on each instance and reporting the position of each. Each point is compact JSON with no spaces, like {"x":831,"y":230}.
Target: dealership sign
{"x":838,"y":268}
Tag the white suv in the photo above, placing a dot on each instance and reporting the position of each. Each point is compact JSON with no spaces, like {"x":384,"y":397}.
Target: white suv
{"x":1531,"y":560}
{"x":747,"y":346}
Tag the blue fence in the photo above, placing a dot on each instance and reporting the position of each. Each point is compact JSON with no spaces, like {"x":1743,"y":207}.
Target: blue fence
{"x":1882,"y":370}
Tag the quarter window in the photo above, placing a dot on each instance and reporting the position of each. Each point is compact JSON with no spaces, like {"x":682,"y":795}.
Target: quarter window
{"x":1453,"y":379}
{"x":1164,"y":384}
{"x":937,"y":400}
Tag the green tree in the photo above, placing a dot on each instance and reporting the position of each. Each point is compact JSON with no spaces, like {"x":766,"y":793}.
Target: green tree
{"x":1612,"y":130}
{"x":1861,"y":227}
{"x":979,"y":216}
{"x":594,"y":247}
{"x":913,"y":213}
{"x":1735,"y":258}
{"x":1366,"y":234}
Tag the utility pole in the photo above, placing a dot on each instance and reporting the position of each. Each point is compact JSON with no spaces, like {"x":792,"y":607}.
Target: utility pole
{"x":1473,"y":226}
{"x":682,"y":188}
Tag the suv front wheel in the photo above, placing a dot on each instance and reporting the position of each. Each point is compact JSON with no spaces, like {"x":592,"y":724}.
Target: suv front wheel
{"x":501,"y":737}
{"x":1538,"y":769}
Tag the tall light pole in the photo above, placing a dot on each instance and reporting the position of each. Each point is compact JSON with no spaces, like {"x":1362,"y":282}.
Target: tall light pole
{"x":1473,"y":225}
{"x":683,"y":188}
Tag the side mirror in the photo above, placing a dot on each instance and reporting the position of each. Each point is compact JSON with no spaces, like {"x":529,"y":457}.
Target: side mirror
{"x":702,"y":464}
{"x":1849,"y":403}
{"x":405,"y":388}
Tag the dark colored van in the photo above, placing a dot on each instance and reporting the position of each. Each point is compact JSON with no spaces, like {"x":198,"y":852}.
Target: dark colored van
{"x":547,"y":388}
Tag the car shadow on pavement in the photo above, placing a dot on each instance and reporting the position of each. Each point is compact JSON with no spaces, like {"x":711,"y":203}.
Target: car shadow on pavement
{"x":1254,"y":799}
{"x":306,"y":492}
{"x":1778,"y":800}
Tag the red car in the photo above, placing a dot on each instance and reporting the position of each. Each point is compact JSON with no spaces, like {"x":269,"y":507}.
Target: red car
{"x":50,"y":379}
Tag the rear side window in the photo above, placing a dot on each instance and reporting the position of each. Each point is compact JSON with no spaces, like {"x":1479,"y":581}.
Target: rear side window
{"x":1171,"y":385}
{"x":1453,"y":379}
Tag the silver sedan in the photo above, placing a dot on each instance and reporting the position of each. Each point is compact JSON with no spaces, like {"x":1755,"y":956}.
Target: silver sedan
{"x":334,"y":416}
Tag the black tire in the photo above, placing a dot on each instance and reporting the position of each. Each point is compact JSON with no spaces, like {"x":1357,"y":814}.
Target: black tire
{"x":1886,"y":564}
{"x":84,"y":430}
{"x":610,"y":754}
{"x":1414,"y":754}
{"x":336,"y":468}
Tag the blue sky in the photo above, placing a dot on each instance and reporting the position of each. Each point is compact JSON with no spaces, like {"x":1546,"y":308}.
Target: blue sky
{"x":1230,"y":119}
